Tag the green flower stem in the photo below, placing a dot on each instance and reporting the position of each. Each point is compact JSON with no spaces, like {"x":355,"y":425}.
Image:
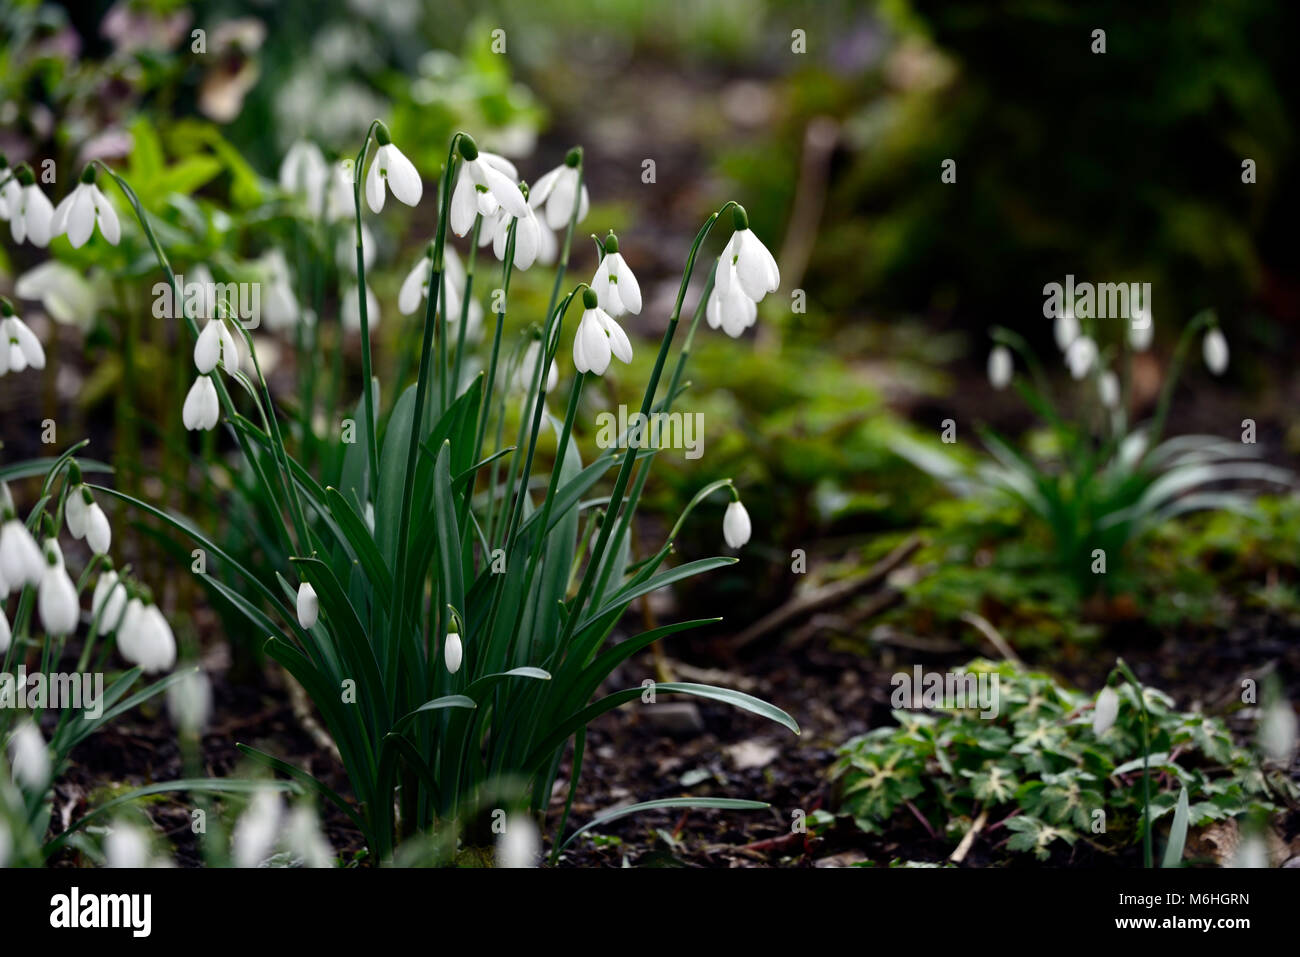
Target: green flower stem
{"x":372,"y":439}
{"x":1201,"y":321}
{"x":464,"y":304}
{"x":1148,"y":856}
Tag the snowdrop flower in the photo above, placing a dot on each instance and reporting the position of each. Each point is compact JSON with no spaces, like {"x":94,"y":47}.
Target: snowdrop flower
{"x":126,"y":846}
{"x":617,"y":290}
{"x":28,"y":759}
{"x":1065,"y":329}
{"x":1108,"y":389}
{"x":10,"y":188}
{"x":735,"y":524}
{"x":519,"y":844}
{"x":303,"y":838}
{"x":30,"y":213}
{"x":99,"y":534}
{"x":279,"y":305}
{"x":6,"y":634}
{"x":308,"y":606}
{"x":555,"y":192}
{"x":1080,"y":356}
{"x":350,"y":309}
{"x":215,"y":343}
{"x":83,"y":209}
{"x":1106,"y":711}
{"x":19,"y":347}
{"x":528,"y":236}
{"x":304,"y":172}
{"x":60,"y":289}
{"x":598,"y":337}
{"x":21,"y":562}
{"x":415,"y":289}
{"x":1251,"y":852}
{"x":189,"y":702}
{"x":733,"y":311}
{"x":1214,"y":347}
{"x":56,"y":596}
{"x":202,"y":409}
{"x":485,"y":185}
{"x":74,"y":510}
{"x":144,"y":638}
{"x":452,"y":652}
{"x":1141,"y":329}
{"x":1277,"y":730}
{"x":108,"y":602}
{"x":256,"y":831}
{"x":528,"y":367}
{"x":1001,"y":367}
{"x":755,"y":268}
{"x":391,"y":166}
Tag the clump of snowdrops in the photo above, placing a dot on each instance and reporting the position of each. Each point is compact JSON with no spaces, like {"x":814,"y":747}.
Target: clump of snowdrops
{"x":445,"y":599}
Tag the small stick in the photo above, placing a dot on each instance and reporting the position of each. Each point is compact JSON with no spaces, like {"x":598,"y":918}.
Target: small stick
{"x":964,"y":847}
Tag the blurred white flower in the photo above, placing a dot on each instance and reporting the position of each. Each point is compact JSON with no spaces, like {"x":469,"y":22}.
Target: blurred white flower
{"x":1108,"y":389}
{"x":19,"y":347}
{"x":189,"y":702}
{"x":60,"y":289}
{"x":1141,"y":329}
{"x":126,"y":846}
{"x":1105,"y":711}
{"x":6,"y":634}
{"x":74,"y":510}
{"x":1080,"y":356}
{"x":99,"y":534}
{"x":308,"y":606}
{"x":304,"y":840}
{"x":202,"y":408}
{"x":1214,"y":347}
{"x":528,"y":367}
{"x":28,"y":759}
{"x":30,"y":214}
{"x":144,"y":638}
{"x":1001,"y":367}
{"x":391,"y":166}
{"x":279,"y":305}
{"x":1252,"y":852}
{"x":108,"y":601}
{"x":1277,"y":730}
{"x":256,"y":830}
{"x":519,"y":845}
{"x":555,"y":191}
{"x":21,"y":562}
{"x":528,"y":236}
{"x":736,"y":528}
{"x":1065,"y":329}
{"x":83,"y":209}
{"x":304,"y":173}
{"x":350,"y":309}
{"x":56,"y":596}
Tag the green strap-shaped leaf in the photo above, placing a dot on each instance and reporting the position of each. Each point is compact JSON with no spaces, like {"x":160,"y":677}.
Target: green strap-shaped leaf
{"x":724,"y":804}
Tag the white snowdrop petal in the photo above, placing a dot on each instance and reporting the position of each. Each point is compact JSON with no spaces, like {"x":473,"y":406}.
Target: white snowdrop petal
{"x":736,"y":527}
{"x":99,"y":534}
{"x":109,"y":227}
{"x":308,"y":606}
{"x":629,"y":290}
{"x":403,"y":178}
{"x":412,"y":291}
{"x":374,"y":187}
{"x":207,"y":348}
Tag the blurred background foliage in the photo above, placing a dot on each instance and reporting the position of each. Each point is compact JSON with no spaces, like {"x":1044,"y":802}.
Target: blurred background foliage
{"x":1117,"y":167}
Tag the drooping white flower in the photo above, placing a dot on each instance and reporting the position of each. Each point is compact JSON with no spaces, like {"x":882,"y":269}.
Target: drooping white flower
{"x":9,"y":192}
{"x":74,"y":510}
{"x":519,"y":845}
{"x":145,"y":638}
{"x":308,"y":606}
{"x":1065,"y":329}
{"x":452,"y":652}
{"x":1141,"y":329}
{"x":415,"y":289}
{"x":126,"y":846}
{"x":6,"y":634}
{"x":528,"y":367}
{"x":21,"y":562}
{"x":1108,"y":389}
{"x":736,"y":528}
{"x":83,"y":209}
{"x":345,"y":250}
{"x":279,"y":305}
{"x":1277,"y":730}
{"x":391,"y":166}
{"x":731,"y":310}
{"x":202,"y":408}
{"x":99,"y":534}
{"x":1105,"y":711}
{"x":1080,"y":356}
{"x":1214,"y":347}
{"x":18,"y":343}
{"x":28,"y":759}
{"x":554,"y":193}
{"x":129,"y":629}
{"x":617,"y":290}
{"x":56,"y":596}
{"x":189,"y":702}
{"x":528,"y":236}
{"x":485,"y":184}
{"x":755,"y":268}
{"x":598,"y":338}
{"x":256,"y":831}
{"x":215,"y":344}
{"x":350,"y":309}
{"x":304,"y":840}
{"x":108,"y":602}
{"x":304,"y":173}
{"x":60,"y":289}
{"x":30,"y":213}
{"x":1001,"y":367}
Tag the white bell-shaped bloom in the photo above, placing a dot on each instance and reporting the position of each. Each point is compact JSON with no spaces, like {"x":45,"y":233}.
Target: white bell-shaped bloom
{"x":519,"y":845}
{"x":452,"y":652}
{"x":145,"y":638}
{"x":755,"y":267}
{"x":350,"y":309}
{"x":60,"y":289}
{"x":528,"y":368}
{"x":415,"y":289}
{"x":9,"y":193}
{"x":189,"y":702}
{"x":1214,"y":347}
{"x":554,"y":194}
{"x":56,"y":596}
{"x":21,"y":561}
{"x":126,"y":846}
{"x":215,"y":344}
{"x":1106,"y":710}
{"x":108,"y":602}
{"x":32,"y":216}
{"x":129,"y":629}
{"x":83,"y":209}
{"x":28,"y":759}
{"x":598,"y":337}
{"x":74,"y":511}
{"x":391,"y":166}
{"x":257,"y":829}
{"x":1081,"y":356}
{"x":6,"y":634}
{"x":617,"y":290}
{"x":1141,"y":329}
{"x":1001,"y":367}
{"x":484,"y":185}
{"x":736,"y":528}
{"x":1065,"y":329}
{"x":22,"y":349}
{"x":528,"y":236}
{"x":279,"y":305}
{"x":304,"y":840}
{"x":99,"y":534}
{"x":1277,"y":730}
{"x":202,"y":408}
{"x":1108,"y":389}
{"x":304,"y":173}
{"x":308,"y":606}
{"x":731,"y":310}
